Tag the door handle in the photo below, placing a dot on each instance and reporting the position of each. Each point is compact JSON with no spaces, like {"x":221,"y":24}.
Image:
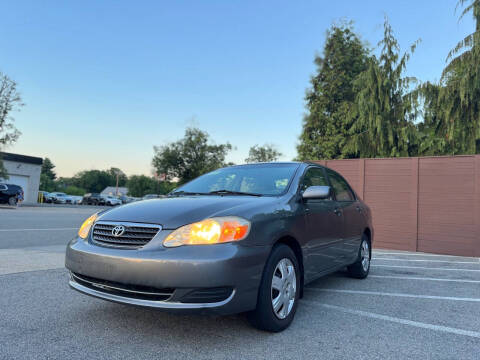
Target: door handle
{"x":337,"y":212}
{"x":359,"y":209}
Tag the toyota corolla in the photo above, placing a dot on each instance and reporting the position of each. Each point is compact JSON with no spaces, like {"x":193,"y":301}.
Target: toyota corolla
{"x":239,"y":239}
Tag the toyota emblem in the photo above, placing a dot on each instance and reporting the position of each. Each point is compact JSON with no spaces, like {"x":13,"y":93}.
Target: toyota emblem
{"x":118,"y":230}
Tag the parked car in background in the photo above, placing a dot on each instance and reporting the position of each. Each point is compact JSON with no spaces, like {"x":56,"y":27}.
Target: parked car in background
{"x":239,"y":239}
{"x":10,"y":194}
{"x":93,"y":199}
{"x":151,"y":196}
{"x":61,"y":198}
{"x":57,"y":197}
{"x":45,"y":196}
{"x":111,"y":200}
{"x":126,"y":199}
{"x":76,"y":199}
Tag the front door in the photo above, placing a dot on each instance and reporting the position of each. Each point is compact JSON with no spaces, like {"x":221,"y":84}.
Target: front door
{"x":324,"y":223}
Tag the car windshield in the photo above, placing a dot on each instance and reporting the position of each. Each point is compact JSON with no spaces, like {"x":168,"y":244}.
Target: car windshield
{"x":260,"y":179}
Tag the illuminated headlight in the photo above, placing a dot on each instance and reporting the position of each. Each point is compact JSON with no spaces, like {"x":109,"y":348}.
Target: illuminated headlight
{"x":209,"y":231}
{"x":86,"y":226}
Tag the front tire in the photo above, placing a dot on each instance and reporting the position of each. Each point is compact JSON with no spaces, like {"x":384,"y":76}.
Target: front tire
{"x":361,"y":267}
{"x":12,"y":201}
{"x":279,"y":291}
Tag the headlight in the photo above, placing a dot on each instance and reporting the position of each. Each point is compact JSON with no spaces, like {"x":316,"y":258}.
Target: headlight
{"x":86,"y":226}
{"x":210,"y":231}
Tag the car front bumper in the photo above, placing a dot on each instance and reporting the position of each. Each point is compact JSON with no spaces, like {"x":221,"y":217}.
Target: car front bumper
{"x":188,"y":272}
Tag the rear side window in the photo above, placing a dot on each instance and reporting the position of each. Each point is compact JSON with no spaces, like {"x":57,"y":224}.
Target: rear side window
{"x":314,"y":177}
{"x":342,"y":189}
{"x":3,"y":187}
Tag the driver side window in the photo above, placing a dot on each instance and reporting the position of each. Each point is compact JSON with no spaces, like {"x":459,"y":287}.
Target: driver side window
{"x":314,"y":177}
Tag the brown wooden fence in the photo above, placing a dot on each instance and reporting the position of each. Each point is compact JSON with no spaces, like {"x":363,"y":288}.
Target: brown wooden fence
{"x":428,"y":204}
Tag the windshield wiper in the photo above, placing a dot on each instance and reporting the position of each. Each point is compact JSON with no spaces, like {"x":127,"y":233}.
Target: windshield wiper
{"x":187,"y":193}
{"x":229,"y":192}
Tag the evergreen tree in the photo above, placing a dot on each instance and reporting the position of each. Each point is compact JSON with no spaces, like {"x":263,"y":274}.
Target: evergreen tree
{"x":385,"y":108}
{"x":459,"y":99}
{"x":331,"y":96}
{"x":47,"y":169}
{"x":47,"y":176}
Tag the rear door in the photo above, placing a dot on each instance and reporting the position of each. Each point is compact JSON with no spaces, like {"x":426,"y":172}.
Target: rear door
{"x":352,"y":215}
{"x":324,"y":225}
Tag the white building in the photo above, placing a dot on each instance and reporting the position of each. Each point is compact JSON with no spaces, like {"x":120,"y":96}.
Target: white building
{"x":114,"y":191}
{"x":24,"y":171}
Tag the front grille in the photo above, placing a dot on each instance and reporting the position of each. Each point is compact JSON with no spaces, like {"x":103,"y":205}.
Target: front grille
{"x":134,"y":236}
{"x":121,"y":289}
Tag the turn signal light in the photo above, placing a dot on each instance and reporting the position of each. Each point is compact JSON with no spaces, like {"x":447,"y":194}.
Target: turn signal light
{"x":86,"y":226}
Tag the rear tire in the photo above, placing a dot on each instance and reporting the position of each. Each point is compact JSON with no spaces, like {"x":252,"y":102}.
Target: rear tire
{"x":361,"y":267}
{"x":12,"y":201}
{"x":281,"y":272}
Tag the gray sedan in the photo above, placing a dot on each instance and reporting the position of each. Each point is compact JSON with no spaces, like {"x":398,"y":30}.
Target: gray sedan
{"x":239,"y":239}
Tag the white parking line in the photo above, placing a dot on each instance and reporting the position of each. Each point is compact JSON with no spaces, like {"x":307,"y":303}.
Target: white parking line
{"x":445,"y":329}
{"x":378,"y":293}
{"x":424,"y":278}
{"x":415,"y":254}
{"x":75,"y":228}
{"x":423,"y":268}
{"x":426,"y":260}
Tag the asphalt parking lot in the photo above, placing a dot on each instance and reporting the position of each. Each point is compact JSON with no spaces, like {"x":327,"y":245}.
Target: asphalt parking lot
{"x":413,"y":305}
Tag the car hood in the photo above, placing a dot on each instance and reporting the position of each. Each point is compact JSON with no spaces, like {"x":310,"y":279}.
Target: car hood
{"x":174,"y":212}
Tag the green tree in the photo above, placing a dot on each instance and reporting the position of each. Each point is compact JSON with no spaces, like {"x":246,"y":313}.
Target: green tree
{"x":459,"y":99}
{"x":383,"y":118}
{"x":140,"y":185}
{"x":263,"y":153}
{"x":331,"y":97}
{"x":47,"y":176}
{"x":431,"y":131}
{"x":74,"y":190}
{"x":47,"y":169}
{"x":47,"y":184}
{"x":122,"y":178}
{"x":189,"y":157}
{"x":92,"y":180}
{"x":10,"y":100}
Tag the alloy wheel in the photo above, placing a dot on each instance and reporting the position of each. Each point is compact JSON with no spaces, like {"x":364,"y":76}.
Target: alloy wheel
{"x":284,"y":288}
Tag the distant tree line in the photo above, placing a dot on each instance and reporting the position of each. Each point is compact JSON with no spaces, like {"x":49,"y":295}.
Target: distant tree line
{"x":174,"y":164}
{"x":94,"y":181}
{"x":362,"y":105}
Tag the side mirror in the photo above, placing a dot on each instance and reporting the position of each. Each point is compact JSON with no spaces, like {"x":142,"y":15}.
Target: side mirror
{"x":317,"y":192}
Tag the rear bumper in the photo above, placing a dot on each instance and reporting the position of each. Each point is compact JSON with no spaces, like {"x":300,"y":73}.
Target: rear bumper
{"x":185,"y":270}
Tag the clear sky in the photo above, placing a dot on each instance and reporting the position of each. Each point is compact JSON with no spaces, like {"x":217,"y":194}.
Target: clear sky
{"x":105,"y":81}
